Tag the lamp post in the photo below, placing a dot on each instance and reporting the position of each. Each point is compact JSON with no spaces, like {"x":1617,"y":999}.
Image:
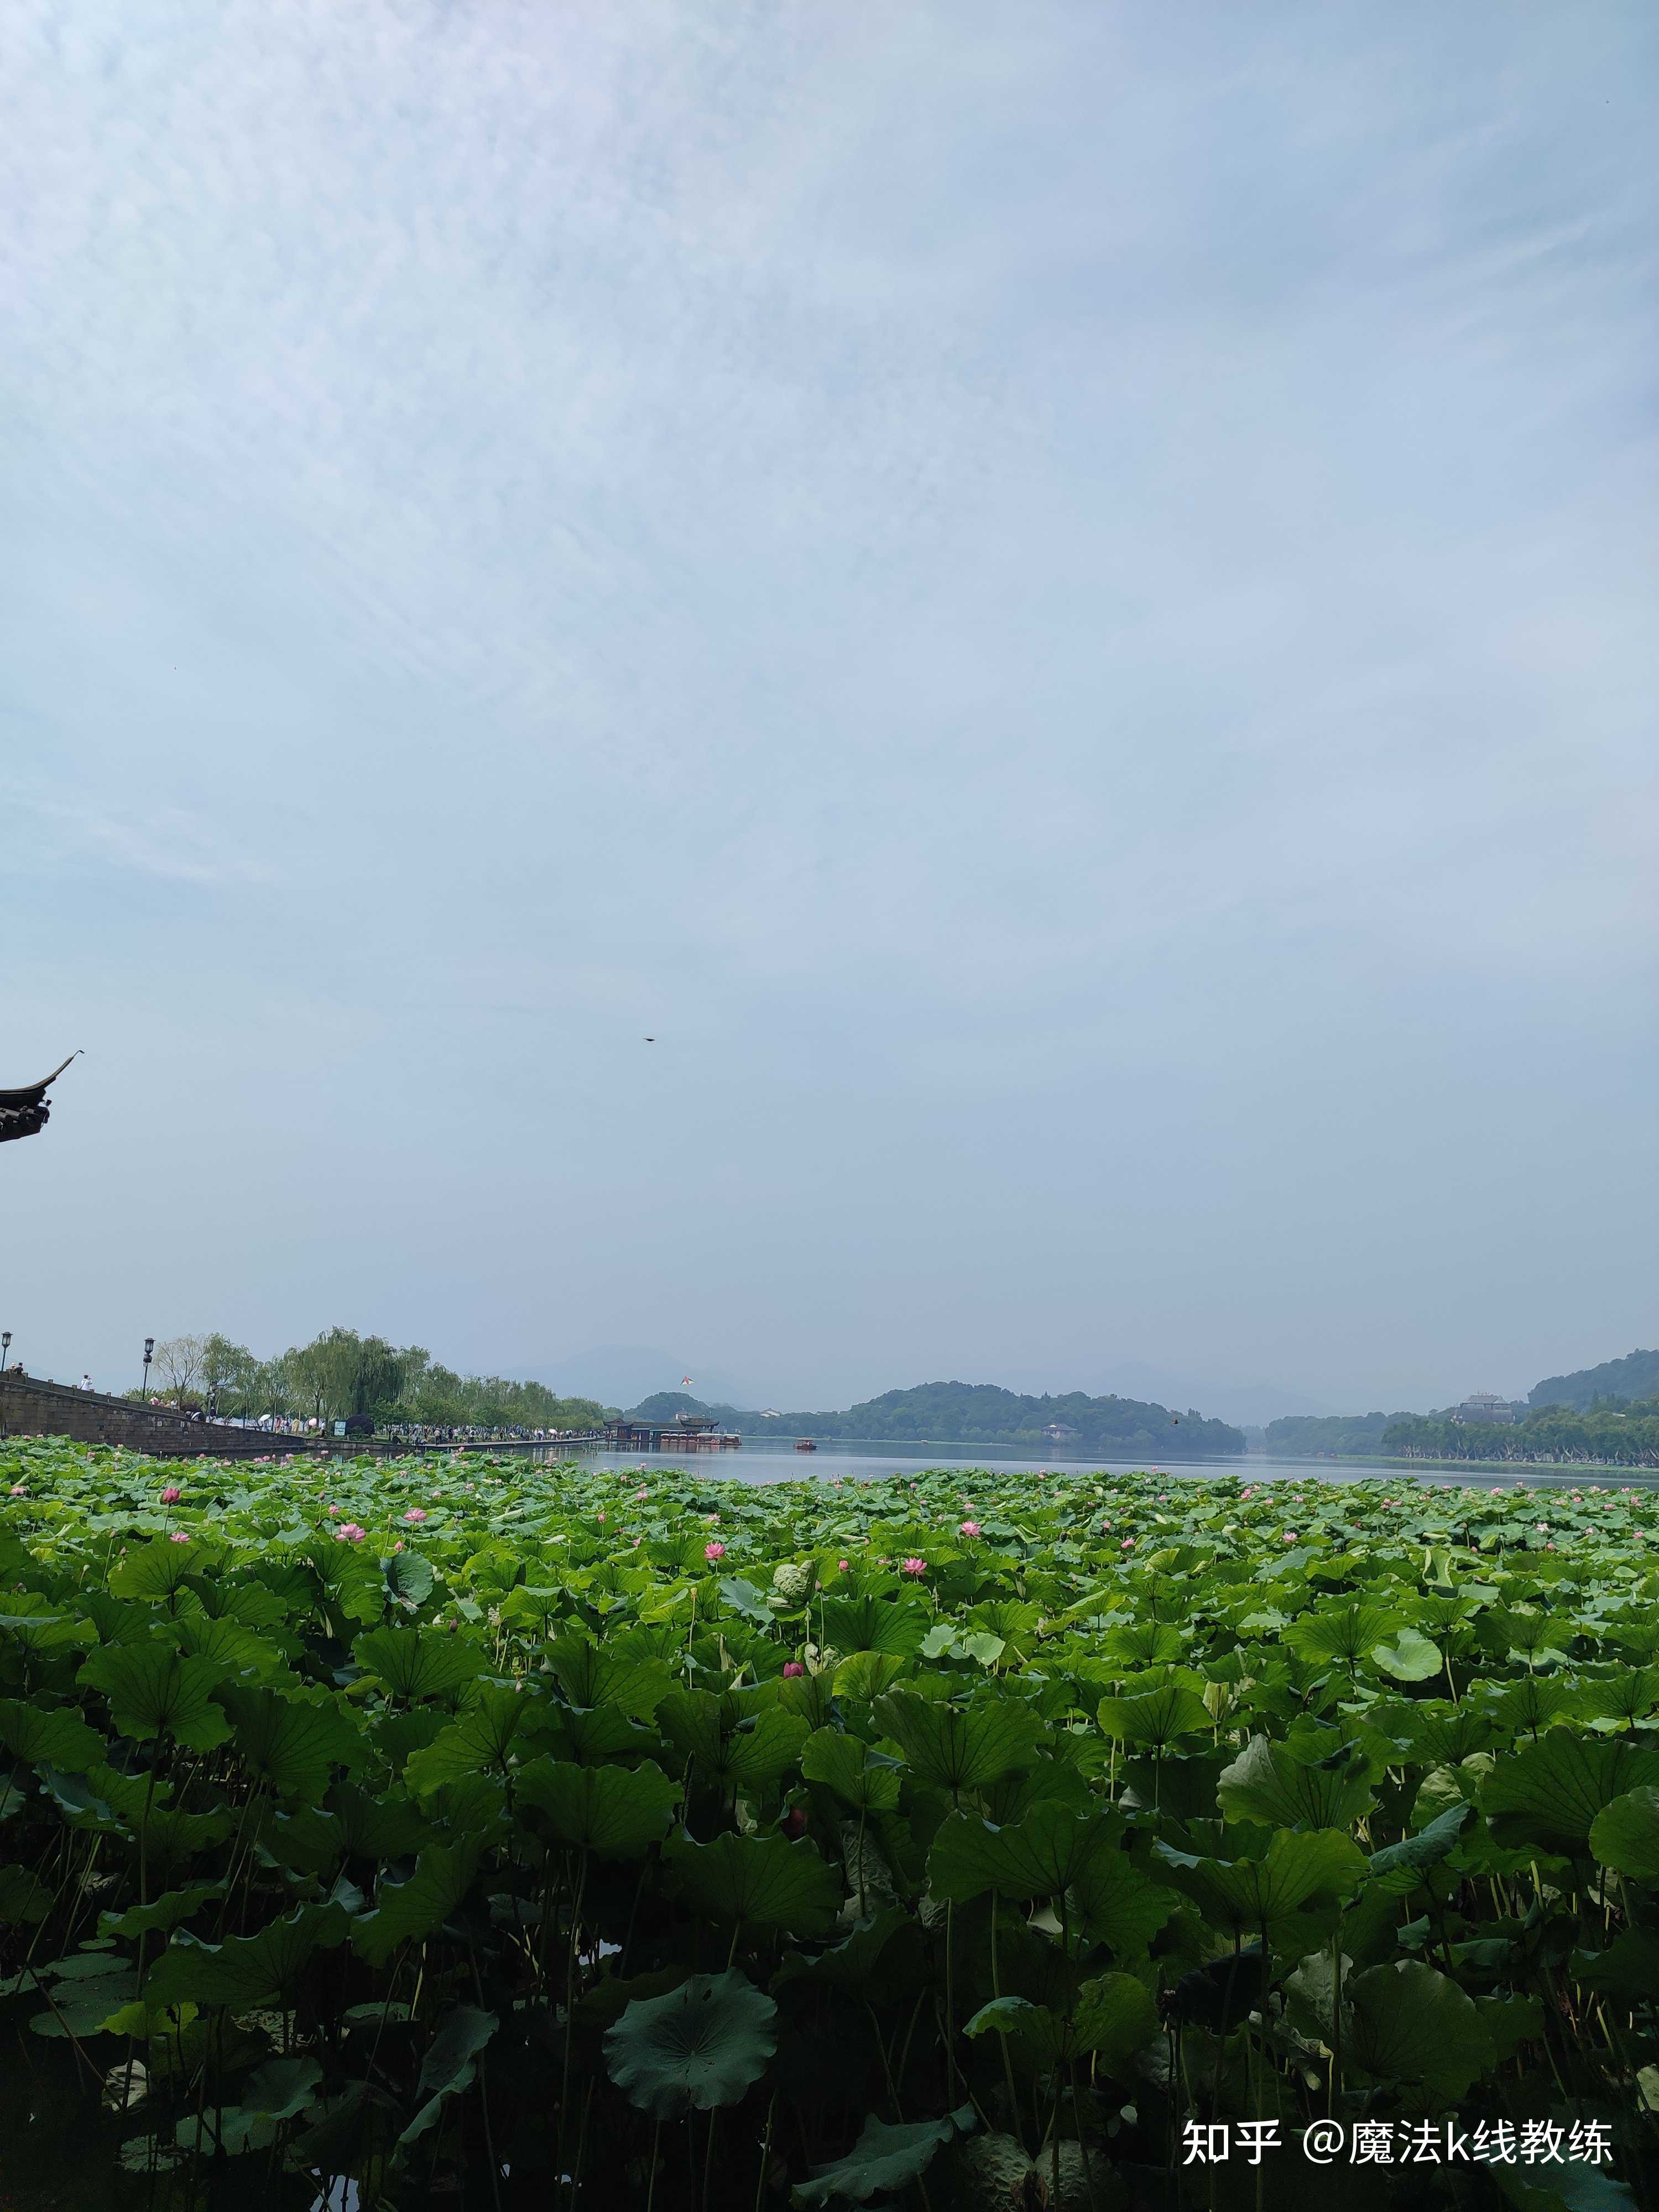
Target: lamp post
{"x":5,"y":1345}
{"x":150,"y":1354}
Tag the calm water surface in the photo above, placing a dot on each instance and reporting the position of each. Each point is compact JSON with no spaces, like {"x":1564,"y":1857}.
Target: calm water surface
{"x":762,"y":1463}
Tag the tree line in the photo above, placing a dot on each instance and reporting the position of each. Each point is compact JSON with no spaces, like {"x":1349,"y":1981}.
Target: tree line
{"x":1616,"y":1437}
{"x":342,"y":1376}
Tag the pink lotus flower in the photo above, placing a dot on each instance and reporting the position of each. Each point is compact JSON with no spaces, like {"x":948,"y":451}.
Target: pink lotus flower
{"x":1289,"y":1536}
{"x":840,"y":1566}
{"x":334,"y":1512}
{"x":178,"y":1537}
{"x":18,"y":1490}
{"x":601,"y":1519}
{"x":969,"y":1528}
{"x":713,"y":1551}
{"x":1128,"y":1544}
{"x":350,"y":1533}
{"x":913,"y":1567}
{"x":791,"y":1669}
{"x":416,"y":1513}
{"x":172,"y":1494}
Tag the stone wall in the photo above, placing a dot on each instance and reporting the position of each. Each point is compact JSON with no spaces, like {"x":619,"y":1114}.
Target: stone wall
{"x":29,"y":1407}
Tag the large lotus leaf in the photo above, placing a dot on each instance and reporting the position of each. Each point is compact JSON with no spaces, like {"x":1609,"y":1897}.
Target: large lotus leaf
{"x":498,"y":1726}
{"x":233,"y":1649}
{"x":352,"y":1582}
{"x":408,"y":1579}
{"x":1155,"y":1718}
{"x":1410,"y":1656}
{"x":292,"y":1742}
{"x":878,"y":1949}
{"x":418,"y":1662}
{"x":279,"y":2090}
{"x":1243,"y":1896}
{"x":1136,"y":1644}
{"x":864,"y":1675}
{"x":893,"y":1626}
{"x":618,"y":1812}
{"x":1112,"y":2017}
{"x":161,"y":1917}
{"x":1625,"y":1835}
{"x":1041,"y":1855}
{"x":451,"y":2062}
{"x":702,"y":2044}
{"x":957,"y":1748}
{"x":1629,"y":1967}
{"x":1536,"y":1702}
{"x":24,"y":1897}
{"x":37,"y":1625}
{"x":245,"y":1969}
{"x":58,"y":1738}
{"x":406,"y":1911}
{"x":1114,"y":1904}
{"x":1267,"y":1782}
{"x":882,"y":2158}
{"x":997,"y":2173}
{"x":761,"y":1882}
{"x":1344,"y":1632}
{"x":742,"y":1598}
{"x":387,"y":1826}
{"x":1549,"y":1792}
{"x":1410,"y":2024}
{"x":1401,"y":1866}
{"x":629,"y":1681}
{"x":153,"y":1692}
{"x":726,"y":1744}
{"x":156,"y":1569}
{"x":859,"y":1777}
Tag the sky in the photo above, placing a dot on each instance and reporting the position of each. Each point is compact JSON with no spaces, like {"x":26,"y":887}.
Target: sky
{"x":1057,"y":602}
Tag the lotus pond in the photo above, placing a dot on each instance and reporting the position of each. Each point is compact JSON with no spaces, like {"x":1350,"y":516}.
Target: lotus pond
{"x":498,"y":1836}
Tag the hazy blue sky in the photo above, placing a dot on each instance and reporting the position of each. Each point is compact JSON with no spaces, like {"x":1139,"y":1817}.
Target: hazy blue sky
{"x":1058,"y":599}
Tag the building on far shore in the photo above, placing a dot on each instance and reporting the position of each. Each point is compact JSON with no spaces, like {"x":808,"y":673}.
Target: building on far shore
{"x":1484,"y":1406}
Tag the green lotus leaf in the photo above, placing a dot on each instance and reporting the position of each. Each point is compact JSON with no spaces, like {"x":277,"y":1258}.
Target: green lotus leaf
{"x":418,"y":1662}
{"x":450,"y":2064}
{"x":726,"y":1743}
{"x":498,"y":1726}
{"x":1041,"y":1855}
{"x":1625,"y":1835}
{"x":1407,"y":2023}
{"x":56,"y":1737}
{"x":882,"y":2158}
{"x":1243,"y":1896}
{"x":1136,"y":1644}
{"x":1112,"y":2018}
{"x":155,"y":1692}
{"x":700,"y":2046}
{"x":1550,"y":1792}
{"x":1268,"y":1783}
{"x":233,"y":1649}
{"x":865,"y":1675}
{"x":291,"y":1743}
{"x":279,"y":2090}
{"x":387,"y":1825}
{"x":163,"y":1915}
{"x":1401,"y":1866}
{"x":590,"y":1674}
{"x":1410,"y":1656}
{"x":742,"y":1598}
{"x":961,"y":1747}
{"x":405,"y":1911}
{"x":1154,"y":1719}
{"x":618,"y":1812}
{"x":408,"y":1579}
{"x":894,"y":1625}
{"x":845,"y":1763}
{"x":886,"y":1945}
{"x":1344,"y":1632}
{"x":1629,"y":1967}
{"x":1114,"y":1904}
{"x":759,"y":1881}
{"x":245,"y":1969}
{"x":156,"y":1569}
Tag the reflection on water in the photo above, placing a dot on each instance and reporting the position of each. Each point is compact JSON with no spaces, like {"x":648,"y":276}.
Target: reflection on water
{"x":865,"y":1462}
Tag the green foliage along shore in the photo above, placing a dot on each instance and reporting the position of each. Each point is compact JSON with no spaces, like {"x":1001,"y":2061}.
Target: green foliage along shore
{"x":962,"y":1842}
{"x":983,"y":1413}
{"x":1614,"y":1382}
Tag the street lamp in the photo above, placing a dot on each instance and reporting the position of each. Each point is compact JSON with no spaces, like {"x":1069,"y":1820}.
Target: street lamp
{"x":5,"y":1345}
{"x":150,"y":1354}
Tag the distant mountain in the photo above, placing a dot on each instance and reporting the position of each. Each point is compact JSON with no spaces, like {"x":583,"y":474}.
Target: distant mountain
{"x":983,"y":1413}
{"x":1636,"y":1377}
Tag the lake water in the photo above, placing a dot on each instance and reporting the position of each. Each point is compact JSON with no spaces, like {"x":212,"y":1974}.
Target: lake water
{"x":860,"y":1461}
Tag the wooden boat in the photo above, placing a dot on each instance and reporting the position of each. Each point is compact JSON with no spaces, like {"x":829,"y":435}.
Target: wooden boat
{"x":805,"y":1443}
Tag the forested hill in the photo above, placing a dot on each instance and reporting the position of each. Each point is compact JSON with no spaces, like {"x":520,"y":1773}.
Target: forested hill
{"x":983,"y":1413}
{"x":1615,"y":1382}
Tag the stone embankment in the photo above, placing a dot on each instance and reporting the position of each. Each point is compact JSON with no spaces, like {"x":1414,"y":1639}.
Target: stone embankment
{"x":30,"y":1407}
